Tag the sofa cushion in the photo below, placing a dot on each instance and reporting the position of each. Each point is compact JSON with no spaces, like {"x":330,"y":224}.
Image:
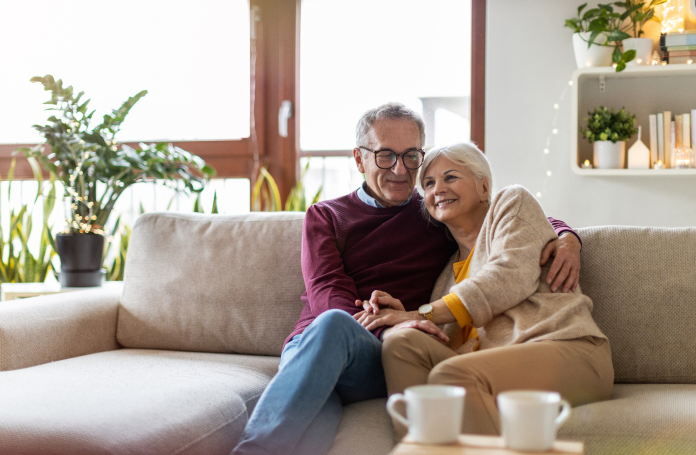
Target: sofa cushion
{"x":131,"y":401}
{"x":639,"y":419}
{"x":365,"y":429}
{"x":642,"y":282}
{"x":212,"y":283}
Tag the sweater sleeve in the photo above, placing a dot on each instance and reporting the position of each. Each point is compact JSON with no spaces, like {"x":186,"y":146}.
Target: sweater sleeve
{"x":512,"y":271}
{"x":328,"y":286}
{"x":560,"y":227}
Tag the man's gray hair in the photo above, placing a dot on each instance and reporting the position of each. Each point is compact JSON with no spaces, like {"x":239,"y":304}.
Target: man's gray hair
{"x":465,"y":154}
{"x":389,"y":111}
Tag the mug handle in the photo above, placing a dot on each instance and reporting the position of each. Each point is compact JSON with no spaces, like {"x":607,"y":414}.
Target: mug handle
{"x":393,"y":412}
{"x":564,"y":415}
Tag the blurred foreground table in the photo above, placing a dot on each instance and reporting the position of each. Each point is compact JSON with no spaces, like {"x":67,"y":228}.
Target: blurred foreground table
{"x":480,"y":445}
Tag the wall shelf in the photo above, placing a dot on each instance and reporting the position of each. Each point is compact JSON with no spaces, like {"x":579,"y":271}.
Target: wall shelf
{"x":642,"y":90}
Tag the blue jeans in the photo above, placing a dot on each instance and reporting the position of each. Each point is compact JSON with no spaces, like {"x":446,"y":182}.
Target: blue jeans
{"x":333,"y":363}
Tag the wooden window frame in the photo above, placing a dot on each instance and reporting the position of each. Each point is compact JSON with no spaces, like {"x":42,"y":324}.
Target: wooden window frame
{"x":274,"y":79}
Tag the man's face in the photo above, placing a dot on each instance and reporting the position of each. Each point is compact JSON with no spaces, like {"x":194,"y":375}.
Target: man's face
{"x":393,"y":186}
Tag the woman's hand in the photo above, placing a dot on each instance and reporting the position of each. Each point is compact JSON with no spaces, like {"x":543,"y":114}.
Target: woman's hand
{"x":380,"y":298}
{"x":564,"y":273}
{"x":422,"y":325}
{"x":386,"y":316}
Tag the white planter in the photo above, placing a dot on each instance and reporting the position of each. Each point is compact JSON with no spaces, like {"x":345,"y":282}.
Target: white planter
{"x":643,"y":48}
{"x":595,"y":55}
{"x":609,"y":155}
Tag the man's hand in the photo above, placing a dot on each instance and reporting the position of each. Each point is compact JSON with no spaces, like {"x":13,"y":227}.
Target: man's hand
{"x":422,"y":325}
{"x":386,"y":316}
{"x":377,"y":299}
{"x":565,"y":269}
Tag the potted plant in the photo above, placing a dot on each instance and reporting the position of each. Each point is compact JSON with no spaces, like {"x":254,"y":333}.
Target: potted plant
{"x":597,"y":37}
{"x":95,"y":170}
{"x":638,"y":13}
{"x":608,"y":132}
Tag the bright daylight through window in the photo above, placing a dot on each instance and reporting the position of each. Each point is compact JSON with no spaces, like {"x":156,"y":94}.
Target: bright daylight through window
{"x":359,"y":54}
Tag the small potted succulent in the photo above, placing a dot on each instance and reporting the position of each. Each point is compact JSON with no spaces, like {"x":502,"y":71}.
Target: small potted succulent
{"x":597,"y":37}
{"x":608,"y":132}
{"x":638,"y":13}
{"x":95,"y":170}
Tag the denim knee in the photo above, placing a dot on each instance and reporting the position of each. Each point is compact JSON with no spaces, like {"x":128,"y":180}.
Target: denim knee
{"x":335,"y":323}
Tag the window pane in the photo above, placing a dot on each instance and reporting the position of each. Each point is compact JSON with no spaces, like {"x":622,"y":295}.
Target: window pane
{"x":358,"y":54}
{"x":192,"y":57}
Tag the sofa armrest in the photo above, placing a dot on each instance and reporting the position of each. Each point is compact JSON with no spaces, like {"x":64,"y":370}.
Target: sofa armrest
{"x":54,"y":327}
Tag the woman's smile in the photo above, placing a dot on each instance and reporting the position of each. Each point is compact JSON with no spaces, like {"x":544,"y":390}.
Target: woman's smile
{"x":445,"y":203}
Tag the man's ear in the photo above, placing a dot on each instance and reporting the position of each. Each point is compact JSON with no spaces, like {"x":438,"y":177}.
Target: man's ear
{"x":357,"y":155}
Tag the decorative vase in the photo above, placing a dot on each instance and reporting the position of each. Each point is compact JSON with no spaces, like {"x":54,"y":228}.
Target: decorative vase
{"x":643,"y":48}
{"x":595,"y":55}
{"x":80,"y":260}
{"x":609,"y":155}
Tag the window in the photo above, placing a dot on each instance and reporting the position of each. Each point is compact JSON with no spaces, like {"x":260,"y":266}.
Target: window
{"x":192,"y":57}
{"x":360,"y":54}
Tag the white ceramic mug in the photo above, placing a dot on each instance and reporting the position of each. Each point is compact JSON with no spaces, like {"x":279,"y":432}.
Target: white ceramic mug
{"x":530,"y":419}
{"x":434,"y":412}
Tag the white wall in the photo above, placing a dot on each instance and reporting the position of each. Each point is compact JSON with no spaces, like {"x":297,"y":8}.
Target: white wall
{"x":529,"y":61}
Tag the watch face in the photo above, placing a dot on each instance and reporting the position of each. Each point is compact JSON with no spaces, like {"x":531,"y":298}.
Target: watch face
{"x":425,"y":309}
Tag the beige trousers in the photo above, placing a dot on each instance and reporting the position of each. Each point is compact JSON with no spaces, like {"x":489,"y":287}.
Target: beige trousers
{"x":580,"y":370}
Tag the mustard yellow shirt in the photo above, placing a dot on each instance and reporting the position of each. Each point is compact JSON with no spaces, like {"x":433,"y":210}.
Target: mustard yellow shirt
{"x":455,"y":305}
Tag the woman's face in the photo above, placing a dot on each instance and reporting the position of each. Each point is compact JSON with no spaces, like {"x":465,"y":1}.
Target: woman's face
{"x":452,"y":194}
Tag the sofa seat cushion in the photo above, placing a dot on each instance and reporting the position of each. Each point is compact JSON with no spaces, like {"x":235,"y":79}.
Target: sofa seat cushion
{"x":639,"y":419}
{"x":131,"y":401}
{"x":365,"y":429}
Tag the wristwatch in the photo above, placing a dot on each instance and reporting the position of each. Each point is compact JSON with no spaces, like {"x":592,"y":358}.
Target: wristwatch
{"x":426,"y":311}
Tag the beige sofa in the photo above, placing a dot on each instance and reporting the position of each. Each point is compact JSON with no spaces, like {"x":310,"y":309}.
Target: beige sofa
{"x":176,"y":362}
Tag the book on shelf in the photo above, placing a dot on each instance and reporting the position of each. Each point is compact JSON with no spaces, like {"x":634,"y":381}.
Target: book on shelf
{"x":667,"y":115}
{"x":678,"y":39}
{"x":653,"y":139}
{"x":661,"y":137}
{"x":678,"y":131}
{"x":679,"y":60}
{"x":678,"y":48}
{"x":672,"y":54}
{"x":671,"y":145}
{"x":686,"y":131}
{"x":693,"y":127}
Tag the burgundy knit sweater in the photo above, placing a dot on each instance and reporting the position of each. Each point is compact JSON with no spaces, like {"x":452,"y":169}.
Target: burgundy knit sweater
{"x":350,"y":249}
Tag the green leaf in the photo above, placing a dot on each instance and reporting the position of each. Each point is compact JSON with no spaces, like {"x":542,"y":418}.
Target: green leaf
{"x":616,"y":55}
{"x":581,"y":7}
{"x":215,"y":206}
{"x":617,"y":35}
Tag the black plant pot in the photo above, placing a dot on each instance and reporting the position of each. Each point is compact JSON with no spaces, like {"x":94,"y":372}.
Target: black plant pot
{"x":80,"y":259}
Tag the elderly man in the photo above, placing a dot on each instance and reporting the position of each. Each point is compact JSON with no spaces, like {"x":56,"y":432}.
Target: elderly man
{"x":375,"y":238}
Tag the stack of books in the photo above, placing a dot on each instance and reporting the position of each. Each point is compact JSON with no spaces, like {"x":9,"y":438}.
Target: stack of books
{"x":668,"y":133}
{"x":678,"y":47}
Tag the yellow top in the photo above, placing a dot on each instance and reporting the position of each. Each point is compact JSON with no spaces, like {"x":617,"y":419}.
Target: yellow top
{"x":455,"y":305}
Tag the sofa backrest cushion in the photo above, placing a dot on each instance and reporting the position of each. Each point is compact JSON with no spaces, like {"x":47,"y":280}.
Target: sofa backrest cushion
{"x":643,"y":285}
{"x":212,"y":283}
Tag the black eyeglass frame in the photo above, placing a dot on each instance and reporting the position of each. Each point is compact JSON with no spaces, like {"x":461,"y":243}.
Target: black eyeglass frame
{"x":397,"y":155}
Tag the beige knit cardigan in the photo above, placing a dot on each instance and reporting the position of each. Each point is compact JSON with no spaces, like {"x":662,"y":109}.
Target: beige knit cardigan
{"x":505,"y":296}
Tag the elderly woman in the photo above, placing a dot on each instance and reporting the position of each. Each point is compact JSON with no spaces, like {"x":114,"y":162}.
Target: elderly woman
{"x":517,"y":333}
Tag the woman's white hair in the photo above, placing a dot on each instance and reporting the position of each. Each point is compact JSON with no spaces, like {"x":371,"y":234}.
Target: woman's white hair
{"x":465,"y":154}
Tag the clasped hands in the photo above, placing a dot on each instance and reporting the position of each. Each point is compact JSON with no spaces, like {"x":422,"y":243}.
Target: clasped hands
{"x":383,"y":309}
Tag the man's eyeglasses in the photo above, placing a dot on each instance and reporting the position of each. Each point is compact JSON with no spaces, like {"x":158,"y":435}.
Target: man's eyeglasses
{"x":386,"y":159}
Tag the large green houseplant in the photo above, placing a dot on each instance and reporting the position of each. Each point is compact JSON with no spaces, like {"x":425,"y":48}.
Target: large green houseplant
{"x":597,"y":36}
{"x":95,"y":170}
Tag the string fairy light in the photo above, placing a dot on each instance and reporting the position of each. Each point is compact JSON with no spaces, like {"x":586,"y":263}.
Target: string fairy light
{"x":554,"y":132}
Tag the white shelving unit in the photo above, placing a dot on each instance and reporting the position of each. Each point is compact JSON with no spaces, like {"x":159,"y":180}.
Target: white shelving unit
{"x":642,"y":90}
